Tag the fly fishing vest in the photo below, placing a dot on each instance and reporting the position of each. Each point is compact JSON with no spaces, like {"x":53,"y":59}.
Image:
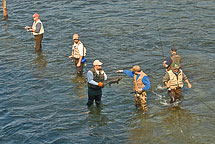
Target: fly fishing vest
{"x":175,"y":81}
{"x":75,"y":51}
{"x":97,"y":78}
{"x":138,"y":84}
{"x":41,"y":28}
{"x":175,"y":58}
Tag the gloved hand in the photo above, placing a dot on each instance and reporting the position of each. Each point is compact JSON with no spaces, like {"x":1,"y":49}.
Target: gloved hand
{"x":100,"y":84}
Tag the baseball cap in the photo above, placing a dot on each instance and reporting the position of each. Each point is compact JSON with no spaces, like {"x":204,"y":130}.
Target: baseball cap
{"x":136,"y":68}
{"x":36,"y":15}
{"x":97,"y":62}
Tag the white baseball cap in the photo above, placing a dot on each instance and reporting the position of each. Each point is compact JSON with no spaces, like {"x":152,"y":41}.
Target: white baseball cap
{"x":97,"y":62}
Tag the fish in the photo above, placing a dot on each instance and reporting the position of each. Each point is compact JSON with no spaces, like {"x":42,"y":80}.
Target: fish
{"x":113,"y":80}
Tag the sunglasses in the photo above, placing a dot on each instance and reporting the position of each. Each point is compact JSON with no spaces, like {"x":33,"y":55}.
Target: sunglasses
{"x":76,"y":39}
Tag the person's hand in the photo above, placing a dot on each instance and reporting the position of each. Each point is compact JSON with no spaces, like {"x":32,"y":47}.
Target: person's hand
{"x":100,"y":84}
{"x":167,"y":85}
{"x":140,"y":91}
{"x":78,"y":64}
{"x":27,"y":27}
{"x":70,"y":56}
{"x":189,"y":85}
{"x":119,"y":71}
{"x":164,"y":64}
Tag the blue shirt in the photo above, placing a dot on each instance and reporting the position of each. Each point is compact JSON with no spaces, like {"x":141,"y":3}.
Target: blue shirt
{"x":145,"y":79}
{"x":168,"y":61}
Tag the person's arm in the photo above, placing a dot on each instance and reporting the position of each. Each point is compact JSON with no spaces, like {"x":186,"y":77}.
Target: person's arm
{"x":105,"y":76}
{"x":186,"y":80}
{"x":128,"y":73}
{"x":90,"y":78}
{"x":146,"y":82}
{"x":166,"y":78}
{"x":38,"y":27}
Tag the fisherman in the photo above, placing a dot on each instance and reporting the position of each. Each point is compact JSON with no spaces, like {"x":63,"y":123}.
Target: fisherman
{"x":174,"y":82}
{"x":95,"y":78}
{"x":168,"y":64}
{"x":37,"y":30}
{"x":141,"y":85}
{"x":78,"y":53}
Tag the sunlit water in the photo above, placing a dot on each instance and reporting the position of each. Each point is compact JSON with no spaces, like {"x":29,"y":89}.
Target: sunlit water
{"x":42,"y":100}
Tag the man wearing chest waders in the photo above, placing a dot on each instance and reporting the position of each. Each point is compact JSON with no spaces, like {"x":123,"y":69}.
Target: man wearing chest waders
{"x":78,"y":53}
{"x":175,"y":58}
{"x":174,"y":82}
{"x":141,"y":85}
{"x":37,"y":30}
{"x":95,"y":78}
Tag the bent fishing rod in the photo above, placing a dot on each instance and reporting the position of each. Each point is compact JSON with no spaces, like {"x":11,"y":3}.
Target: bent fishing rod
{"x":160,"y":41}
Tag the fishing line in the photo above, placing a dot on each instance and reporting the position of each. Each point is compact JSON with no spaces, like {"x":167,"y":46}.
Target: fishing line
{"x":209,"y":107}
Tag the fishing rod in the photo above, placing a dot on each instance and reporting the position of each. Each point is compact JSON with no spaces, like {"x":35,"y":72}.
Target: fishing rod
{"x":160,"y":41}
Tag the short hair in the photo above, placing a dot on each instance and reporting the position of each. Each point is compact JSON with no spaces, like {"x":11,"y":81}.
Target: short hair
{"x":173,"y":49}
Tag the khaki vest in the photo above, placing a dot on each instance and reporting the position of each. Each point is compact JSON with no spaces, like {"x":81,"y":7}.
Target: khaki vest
{"x":75,"y":51}
{"x":175,"y":82}
{"x":138,"y":84}
{"x":175,"y":58}
{"x":96,"y":78}
{"x":34,"y":27}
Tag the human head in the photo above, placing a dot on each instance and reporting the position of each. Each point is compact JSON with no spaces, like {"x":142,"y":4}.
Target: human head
{"x":75,"y":38}
{"x":36,"y":16}
{"x":173,"y":50}
{"x":136,"y":69}
{"x":176,"y":67}
{"x":97,"y":65}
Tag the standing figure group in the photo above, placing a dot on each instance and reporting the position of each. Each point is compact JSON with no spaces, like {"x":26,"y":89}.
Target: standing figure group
{"x":173,"y":78}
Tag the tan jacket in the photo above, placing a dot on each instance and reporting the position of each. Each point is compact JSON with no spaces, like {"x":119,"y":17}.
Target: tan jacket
{"x":175,"y":82}
{"x":75,"y":50}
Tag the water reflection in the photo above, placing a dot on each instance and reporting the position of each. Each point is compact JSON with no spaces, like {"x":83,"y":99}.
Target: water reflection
{"x":79,"y":86}
{"x":40,"y":61}
{"x":95,"y":117}
{"x":175,"y":124}
{"x":178,"y":123}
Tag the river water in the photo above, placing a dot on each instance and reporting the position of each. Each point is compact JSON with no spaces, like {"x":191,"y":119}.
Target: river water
{"x":43,"y":102}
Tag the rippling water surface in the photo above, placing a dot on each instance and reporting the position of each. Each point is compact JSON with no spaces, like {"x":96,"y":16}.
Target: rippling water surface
{"x":42,"y":100}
